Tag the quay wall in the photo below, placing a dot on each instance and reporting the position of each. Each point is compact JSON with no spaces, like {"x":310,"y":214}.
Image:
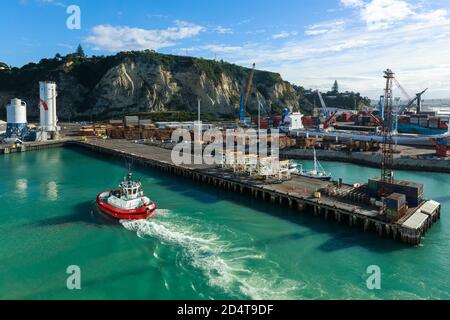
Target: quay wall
{"x":368,"y":159}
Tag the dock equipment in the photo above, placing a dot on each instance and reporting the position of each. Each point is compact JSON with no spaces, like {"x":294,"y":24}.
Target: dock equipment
{"x":16,"y":114}
{"x":387,"y":162}
{"x":245,"y":96}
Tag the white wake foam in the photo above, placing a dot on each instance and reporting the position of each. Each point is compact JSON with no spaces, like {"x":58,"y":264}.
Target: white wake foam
{"x":224,"y":264}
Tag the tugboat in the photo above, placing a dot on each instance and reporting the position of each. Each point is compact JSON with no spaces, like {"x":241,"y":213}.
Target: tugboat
{"x":128,"y":202}
{"x":318,"y":172}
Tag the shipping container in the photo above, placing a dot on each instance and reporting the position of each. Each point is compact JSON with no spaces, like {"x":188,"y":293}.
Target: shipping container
{"x":396,"y":201}
{"x":412,"y":191}
{"x":396,"y":214}
{"x":433,"y":125}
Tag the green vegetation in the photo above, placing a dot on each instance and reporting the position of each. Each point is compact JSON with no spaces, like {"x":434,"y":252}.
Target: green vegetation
{"x":80,"y":52}
{"x":4,"y":66}
{"x":88,"y":72}
{"x":180,"y":116}
{"x":333,"y":99}
{"x":335,"y":88}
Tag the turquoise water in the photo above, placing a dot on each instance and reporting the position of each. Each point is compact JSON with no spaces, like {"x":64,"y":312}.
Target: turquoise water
{"x":203,"y":244}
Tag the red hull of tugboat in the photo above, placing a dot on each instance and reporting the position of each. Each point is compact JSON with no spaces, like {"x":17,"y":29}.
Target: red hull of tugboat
{"x":141,"y":213}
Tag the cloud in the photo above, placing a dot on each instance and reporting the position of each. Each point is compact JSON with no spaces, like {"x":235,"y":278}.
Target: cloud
{"x":379,"y":14}
{"x":417,"y":49}
{"x":352,"y":3}
{"x":66,"y":46}
{"x":122,"y":38}
{"x":223,"y":30}
{"x":284,"y":34}
{"x":53,"y":2}
{"x":218,"y":48}
{"x":325,"y":27}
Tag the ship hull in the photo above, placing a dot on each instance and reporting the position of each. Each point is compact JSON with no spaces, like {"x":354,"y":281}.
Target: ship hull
{"x":400,"y":139}
{"x":140,"y":213}
{"x":416,"y":129}
{"x":325,"y":178}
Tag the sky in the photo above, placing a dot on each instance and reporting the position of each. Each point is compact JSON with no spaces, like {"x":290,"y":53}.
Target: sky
{"x":310,"y":43}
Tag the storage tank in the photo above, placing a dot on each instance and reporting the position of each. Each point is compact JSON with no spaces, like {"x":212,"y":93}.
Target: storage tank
{"x":16,"y":118}
{"x":47,"y":106}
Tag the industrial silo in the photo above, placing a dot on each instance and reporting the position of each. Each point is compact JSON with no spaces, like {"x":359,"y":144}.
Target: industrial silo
{"x":48,"y":128}
{"x":16,"y":118}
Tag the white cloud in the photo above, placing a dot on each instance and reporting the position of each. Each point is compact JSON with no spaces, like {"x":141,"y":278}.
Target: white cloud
{"x":417,"y":49}
{"x":323,"y":28}
{"x":223,"y":30}
{"x":352,"y":3}
{"x":66,"y":46}
{"x":219,"y":48}
{"x":380,"y":14}
{"x":53,"y":2}
{"x":284,"y":34}
{"x":122,"y":38}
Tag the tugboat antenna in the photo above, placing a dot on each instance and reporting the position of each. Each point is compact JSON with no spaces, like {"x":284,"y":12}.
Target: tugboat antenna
{"x":130,"y":174}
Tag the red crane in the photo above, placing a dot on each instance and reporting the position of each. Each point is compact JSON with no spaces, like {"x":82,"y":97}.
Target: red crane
{"x":327,"y":122}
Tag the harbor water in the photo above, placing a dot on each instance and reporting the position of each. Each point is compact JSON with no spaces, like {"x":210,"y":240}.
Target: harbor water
{"x":203,"y":243}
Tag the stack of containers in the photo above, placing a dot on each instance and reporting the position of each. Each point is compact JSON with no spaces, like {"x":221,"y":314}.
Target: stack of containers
{"x":443,"y":123}
{"x":264,"y":123}
{"x":307,"y":121}
{"x":414,"y":119}
{"x":276,"y":121}
{"x":423,"y":121}
{"x":412,"y":191}
{"x":443,"y":148}
{"x":433,"y":123}
{"x":316,"y":121}
{"x":404,"y":120}
{"x":396,"y":206}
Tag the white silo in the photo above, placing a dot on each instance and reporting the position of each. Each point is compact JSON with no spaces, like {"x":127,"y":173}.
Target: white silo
{"x":47,"y":105}
{"x":16,"y":118}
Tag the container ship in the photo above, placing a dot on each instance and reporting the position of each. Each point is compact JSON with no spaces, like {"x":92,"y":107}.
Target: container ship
{"x":423,"y":124}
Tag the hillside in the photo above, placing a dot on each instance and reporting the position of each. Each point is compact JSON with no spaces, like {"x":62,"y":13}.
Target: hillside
{"x":145,"y":81}
{"x":148,"y":82}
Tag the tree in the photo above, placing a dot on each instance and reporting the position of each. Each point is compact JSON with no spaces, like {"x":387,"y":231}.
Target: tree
{"x":335,"y":88}
{"x":4,"y":66}
{"x":80,"y":52}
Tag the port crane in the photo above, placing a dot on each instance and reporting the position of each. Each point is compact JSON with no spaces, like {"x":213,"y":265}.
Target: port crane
{"x":245,"y":96}
{"x":405,"y":107}
{"x":324,"y":109}
{"x":329,"y":116}
{"x":418,"y":98}
{"x":387,"y":162}
{"x":404,"y":92}
{"x":411,"y":101}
